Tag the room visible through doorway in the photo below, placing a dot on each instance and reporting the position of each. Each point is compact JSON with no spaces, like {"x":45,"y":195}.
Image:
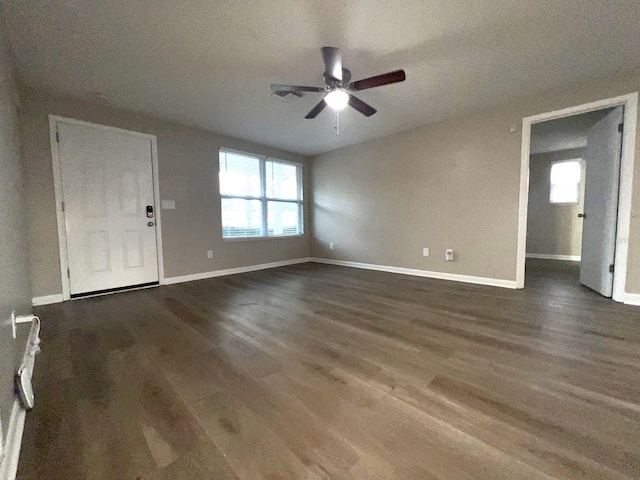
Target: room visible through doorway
{"x":578,"y":195}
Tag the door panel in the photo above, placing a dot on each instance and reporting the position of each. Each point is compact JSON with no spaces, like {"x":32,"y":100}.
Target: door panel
{"x":99,"y":251}
{"x":107,"y":183}
{"x":602,"y":183}
{"x":133,"y":250}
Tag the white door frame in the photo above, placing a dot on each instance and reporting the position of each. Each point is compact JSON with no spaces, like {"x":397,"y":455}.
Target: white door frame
{"x":630,"y":103}
{"x":57,"y":185}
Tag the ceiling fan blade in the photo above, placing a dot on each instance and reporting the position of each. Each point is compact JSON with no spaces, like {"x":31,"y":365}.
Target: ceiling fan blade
{"x":332,"y":62}
{"x":379,"y":80}
{"x":364,"y":108}
{"x":294,"y":88}
{"x":317,"y":109}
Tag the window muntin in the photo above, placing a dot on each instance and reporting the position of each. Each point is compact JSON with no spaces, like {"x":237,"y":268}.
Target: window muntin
{"x":564,"y":178}
{"x":261,"y":197}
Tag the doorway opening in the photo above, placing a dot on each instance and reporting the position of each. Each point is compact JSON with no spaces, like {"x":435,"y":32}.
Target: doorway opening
{"x":575,"y":194}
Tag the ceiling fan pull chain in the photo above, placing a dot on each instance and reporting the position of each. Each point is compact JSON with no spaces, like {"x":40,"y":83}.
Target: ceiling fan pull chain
{"x":337,"y":122}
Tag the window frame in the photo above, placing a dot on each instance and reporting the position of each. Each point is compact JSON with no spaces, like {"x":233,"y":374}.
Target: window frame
{"x":263,"y":198}
{"x":579,"y":161}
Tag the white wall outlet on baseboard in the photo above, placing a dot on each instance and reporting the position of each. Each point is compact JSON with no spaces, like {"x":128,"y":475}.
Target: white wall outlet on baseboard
{"x":209,"y":253}
{"x":448,"y":255}
{"x":331,"y":246}
{"x":425,"y":252}
{"x":168,"y":204}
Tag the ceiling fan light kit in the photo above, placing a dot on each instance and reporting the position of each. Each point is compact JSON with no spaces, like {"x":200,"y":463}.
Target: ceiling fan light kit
{"x":338,"y":86}
{"x":337,"y":99}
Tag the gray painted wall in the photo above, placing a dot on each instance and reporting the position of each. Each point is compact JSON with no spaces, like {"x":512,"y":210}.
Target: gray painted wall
{"x":188,"y":168}
{"x":553,"y":229}
{"x":15,"y":292}
{"x":450,"y":184}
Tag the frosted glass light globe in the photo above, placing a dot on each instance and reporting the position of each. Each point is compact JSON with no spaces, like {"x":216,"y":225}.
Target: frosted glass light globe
{"x":337,"y":99}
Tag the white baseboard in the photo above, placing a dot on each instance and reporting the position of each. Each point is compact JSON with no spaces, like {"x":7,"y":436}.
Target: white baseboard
{"x":493,"y":282}
{"x":632,"y":298}
{"x":233,"y":271}
{"x":47,"y":299}
{"x":546,"y":256}
{"x":57,"y":298}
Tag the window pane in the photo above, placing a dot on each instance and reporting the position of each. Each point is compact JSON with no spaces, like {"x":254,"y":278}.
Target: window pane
{"x":565,"y":182}
{"x":282,"y":180}
{"x":284,"y":218}
{"x":239,"y":175}
{"x":241,"y":218}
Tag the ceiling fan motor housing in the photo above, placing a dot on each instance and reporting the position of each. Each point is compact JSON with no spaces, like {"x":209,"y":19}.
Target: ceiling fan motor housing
{"x":330,"y":82}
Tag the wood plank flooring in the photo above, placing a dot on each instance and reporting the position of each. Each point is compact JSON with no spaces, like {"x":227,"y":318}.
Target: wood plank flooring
{"x":316,"y":371}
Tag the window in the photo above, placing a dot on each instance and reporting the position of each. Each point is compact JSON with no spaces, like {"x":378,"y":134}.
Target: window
{"x":261,"y":197}
{"x":565,"y":181}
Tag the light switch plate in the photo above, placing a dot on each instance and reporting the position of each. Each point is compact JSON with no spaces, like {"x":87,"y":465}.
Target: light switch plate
{"x":425,"y":252}
{"x":168,"y":204}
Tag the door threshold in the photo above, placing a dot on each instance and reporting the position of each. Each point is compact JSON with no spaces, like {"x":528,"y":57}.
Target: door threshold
{"x":97,"y":293}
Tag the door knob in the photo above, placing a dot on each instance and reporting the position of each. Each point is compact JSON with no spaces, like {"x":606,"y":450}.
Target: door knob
{"x":150,"y":224}
{"x":582,"y":215}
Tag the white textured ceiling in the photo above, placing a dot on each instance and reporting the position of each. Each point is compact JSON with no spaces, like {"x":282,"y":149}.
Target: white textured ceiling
{"x":210,"y":63}
{"x":564,"y":133}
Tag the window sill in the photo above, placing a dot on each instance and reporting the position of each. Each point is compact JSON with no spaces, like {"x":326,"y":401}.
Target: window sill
{"x":253,"y":239}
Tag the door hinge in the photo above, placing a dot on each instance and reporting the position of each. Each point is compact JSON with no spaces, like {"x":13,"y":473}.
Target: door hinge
{"x":57,"y":136}
{"x":63,"y":206}
{"x":611,"y":268}
{"x":620,"y":127}
{"x":68,"y":273}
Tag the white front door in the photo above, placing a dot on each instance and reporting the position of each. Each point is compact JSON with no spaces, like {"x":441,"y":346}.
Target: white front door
{"x":601,"y":192}
{"x":109,"y":209}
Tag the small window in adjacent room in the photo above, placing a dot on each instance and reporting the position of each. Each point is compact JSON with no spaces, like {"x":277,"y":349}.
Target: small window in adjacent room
{"x":261,"y":197}
{"x":565,"y":182}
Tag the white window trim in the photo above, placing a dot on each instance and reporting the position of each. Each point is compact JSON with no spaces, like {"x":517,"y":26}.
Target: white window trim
{"x":263,"y":197}
{"x":581,"y":163}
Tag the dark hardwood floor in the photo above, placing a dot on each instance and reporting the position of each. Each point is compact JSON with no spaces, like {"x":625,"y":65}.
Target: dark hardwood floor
{"x":316,"y":371}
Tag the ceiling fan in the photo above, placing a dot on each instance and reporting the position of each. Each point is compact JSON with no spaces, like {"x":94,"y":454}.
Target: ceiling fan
{"x":338,"y":88}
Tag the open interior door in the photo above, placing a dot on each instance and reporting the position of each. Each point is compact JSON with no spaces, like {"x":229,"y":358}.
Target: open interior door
{"x":602,"y":183}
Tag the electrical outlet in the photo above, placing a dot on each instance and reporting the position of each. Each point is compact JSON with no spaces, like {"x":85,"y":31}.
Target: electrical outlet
{"x":448,"y":255}
{"x":331,"y":245}
{"x":209,"y":253}
{"x":425,"y":252}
